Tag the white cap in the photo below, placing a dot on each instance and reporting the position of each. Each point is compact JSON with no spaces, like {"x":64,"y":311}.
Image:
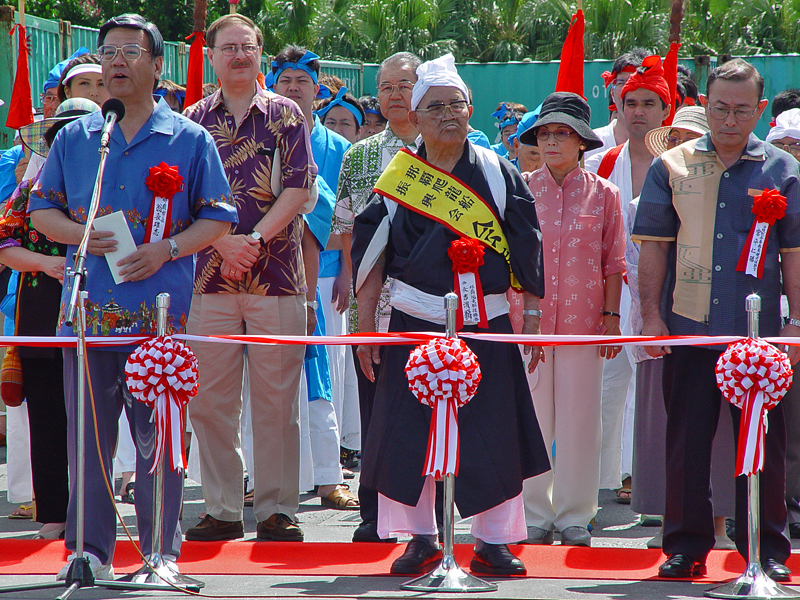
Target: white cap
{"x":440,"y":72}
{"x":787,"y":124}
{"x":81,"y":69}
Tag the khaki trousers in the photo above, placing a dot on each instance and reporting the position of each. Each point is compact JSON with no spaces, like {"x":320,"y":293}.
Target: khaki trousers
{"x":274,"y":373}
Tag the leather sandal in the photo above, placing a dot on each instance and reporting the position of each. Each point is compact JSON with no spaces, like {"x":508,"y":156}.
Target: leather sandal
{"x":128,"y":497}
{"x":341,"y":499}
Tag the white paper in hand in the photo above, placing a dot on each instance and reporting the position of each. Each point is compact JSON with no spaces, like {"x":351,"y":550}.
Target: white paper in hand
{"x":117,"y":223}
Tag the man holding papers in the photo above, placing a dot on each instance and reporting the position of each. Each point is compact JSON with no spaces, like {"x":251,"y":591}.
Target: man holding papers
{"x":164,"y":175}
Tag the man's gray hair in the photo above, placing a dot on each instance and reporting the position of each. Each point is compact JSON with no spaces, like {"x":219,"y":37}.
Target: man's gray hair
{"x":404,"y":58}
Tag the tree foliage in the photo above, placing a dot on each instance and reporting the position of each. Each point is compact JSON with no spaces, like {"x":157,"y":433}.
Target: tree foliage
{"x":473,"y":30}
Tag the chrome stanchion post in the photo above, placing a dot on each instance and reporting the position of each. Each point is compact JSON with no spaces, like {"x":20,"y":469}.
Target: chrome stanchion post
{"x":159,"y":569}
{"x":448,"y":576}
{"x":754,"y":583}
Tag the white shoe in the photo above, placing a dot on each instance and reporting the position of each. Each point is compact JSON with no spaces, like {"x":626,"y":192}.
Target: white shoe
{"x":99,"y":570}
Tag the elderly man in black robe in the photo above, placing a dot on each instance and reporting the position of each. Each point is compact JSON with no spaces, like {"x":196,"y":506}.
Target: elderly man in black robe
{"x":451,"y":190}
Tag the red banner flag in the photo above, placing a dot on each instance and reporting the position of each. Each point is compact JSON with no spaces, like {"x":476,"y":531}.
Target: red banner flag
{"x":671,"y":75}
{"x":20,"y":108}
{"x":570,"y":72}
{"x":194,"y":73}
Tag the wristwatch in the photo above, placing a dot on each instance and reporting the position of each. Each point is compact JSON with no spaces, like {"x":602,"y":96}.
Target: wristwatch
{"x":312,"y":304}
{"x":257,"y":237}
{"x":530,"y":312}
{"x":174,"y":251}
{"x":795,"y":322}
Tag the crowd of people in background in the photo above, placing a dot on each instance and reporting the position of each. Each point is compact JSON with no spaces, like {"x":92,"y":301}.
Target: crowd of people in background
{"x":286,"y":222}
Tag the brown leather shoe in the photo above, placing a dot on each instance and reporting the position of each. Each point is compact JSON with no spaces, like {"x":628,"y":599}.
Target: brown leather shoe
{"x":279,"y":528}
{"x":210,"y":529}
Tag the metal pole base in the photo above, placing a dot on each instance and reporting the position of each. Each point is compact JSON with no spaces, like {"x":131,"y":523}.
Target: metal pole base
{"x":448,"y":577}
{"x":753,"y":583}
{"x":164,"y":571}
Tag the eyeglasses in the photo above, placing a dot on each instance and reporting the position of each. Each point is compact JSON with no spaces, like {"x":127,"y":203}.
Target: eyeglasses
{"x":438,"y":110}
{"x":561,"y":135}
{"x":740,"y":114}
{"x":48,"y":97}
{"x":233,"y":49}
{"x":674,"y":140}
{"x":793,"y":149}
{"x":130,"y":52}
{"x":389,"y":88}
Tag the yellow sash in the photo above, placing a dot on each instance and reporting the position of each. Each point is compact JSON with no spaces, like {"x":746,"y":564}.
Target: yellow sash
{"x":421,"y":187}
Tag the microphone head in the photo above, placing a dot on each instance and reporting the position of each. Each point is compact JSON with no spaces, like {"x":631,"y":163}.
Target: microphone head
{"x":116,"y":106}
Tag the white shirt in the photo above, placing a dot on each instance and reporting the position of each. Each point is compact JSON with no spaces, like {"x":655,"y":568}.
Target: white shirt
{"x":606,"y":135}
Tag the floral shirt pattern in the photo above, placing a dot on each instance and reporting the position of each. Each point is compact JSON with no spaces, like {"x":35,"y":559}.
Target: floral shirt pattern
{"x":247,"y":151}
{"x":583,"y":238}
{"x":362,"y":165}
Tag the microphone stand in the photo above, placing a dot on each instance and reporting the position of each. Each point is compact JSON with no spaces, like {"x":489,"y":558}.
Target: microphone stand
{"x":80,"y":573}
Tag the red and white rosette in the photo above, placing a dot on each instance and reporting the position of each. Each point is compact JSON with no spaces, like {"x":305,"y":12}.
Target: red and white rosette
{"x":162,"y":373}
{"x":164,"y":181}
{"x":467,"y":257}
{"x":753,"y":375}
{"x":768,"y":207}
{"x":444,"y":374}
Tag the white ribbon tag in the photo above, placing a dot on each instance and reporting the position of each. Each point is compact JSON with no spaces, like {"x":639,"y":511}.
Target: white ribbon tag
{"x":468,"y":292}
{"x":159,"y":216}
{"x":760,"y":232}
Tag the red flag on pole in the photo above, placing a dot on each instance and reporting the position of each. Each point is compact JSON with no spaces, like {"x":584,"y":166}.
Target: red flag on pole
{"x":671,"y":75}
{"x":570,"y":72}
{"x":20,"y":108}
{"x":194,"y":72}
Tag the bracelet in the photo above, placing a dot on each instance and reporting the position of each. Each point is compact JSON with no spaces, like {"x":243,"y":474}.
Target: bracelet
{"x":608,"y":313}
{"x":795,"y":322}
{"x":530,"y":312}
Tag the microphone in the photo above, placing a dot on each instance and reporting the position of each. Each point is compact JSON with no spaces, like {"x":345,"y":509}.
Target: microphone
{"x":113,"y":111}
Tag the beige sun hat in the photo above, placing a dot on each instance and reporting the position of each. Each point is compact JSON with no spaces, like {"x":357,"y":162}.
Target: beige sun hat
{"x":33,"y":135}
{"x":692,"y":118}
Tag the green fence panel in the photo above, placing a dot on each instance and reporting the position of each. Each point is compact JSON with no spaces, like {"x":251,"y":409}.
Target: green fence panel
{"x":530,"y":82}
{"x":82,"y":37}
{"x":350,"y":73}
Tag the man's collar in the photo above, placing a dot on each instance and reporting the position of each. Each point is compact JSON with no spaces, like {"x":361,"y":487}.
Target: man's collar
{"x":753,"y":151}
{"x":260,"y":99}
{"x":390,"y":135}
{"x":161,"y":119}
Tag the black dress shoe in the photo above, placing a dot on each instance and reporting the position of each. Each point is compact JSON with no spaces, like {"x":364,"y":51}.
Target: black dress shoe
{"x":775,"y":570}
{"x":680,"y":566}
{"x":496,"y":559}
{"x":794,"y":531}
{"x":368,"y":532}
{"x":420,"y":556}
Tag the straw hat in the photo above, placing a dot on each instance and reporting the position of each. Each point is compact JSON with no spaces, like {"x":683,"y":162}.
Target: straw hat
{"x":33,"y":135}
{"x":692,"y":118}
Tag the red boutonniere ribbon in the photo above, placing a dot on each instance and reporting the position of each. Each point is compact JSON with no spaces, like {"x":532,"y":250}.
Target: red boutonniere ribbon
{"x":164,"y":181}
{"x":467,"y":257}
{"x":768,"y":207}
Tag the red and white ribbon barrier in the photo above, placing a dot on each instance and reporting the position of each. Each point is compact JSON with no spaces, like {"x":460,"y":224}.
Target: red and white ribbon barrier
{"x":444,"y":374}
{"x":162,"y":373}
{"x":753,"y":375}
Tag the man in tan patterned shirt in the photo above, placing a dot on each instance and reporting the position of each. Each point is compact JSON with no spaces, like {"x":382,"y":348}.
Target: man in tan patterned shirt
{"x":251,"y":282}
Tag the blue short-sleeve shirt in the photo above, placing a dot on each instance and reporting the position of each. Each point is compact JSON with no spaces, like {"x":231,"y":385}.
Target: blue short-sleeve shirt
{"x":691,"y":199}
{"x":67,"y":181}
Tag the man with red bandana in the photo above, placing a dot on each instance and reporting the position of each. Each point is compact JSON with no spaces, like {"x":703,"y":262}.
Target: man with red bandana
{"x":644,"y":105}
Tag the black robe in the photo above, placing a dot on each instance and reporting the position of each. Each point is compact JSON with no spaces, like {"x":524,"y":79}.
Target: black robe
{"x":500,"y":441}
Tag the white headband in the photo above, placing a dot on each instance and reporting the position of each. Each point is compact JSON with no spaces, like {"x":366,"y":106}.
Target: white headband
{"x":440,"y":72}
{"x":787,"y":124}
{"x":81,"y":69}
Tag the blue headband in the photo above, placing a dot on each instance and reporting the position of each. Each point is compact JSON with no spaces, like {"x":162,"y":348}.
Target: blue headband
{"x":373,"y":111}
{"x":340,"y":101}
{"x":525,"y":123}
{"x":301,"y":65}
{"x":54,"y":75}
{"x":500,"y":112}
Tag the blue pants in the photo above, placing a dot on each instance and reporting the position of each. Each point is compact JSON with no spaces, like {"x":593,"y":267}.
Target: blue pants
{"x":107,"y":376}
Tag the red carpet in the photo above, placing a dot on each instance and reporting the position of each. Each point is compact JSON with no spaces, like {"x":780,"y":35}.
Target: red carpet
{"x":31,"y":557}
